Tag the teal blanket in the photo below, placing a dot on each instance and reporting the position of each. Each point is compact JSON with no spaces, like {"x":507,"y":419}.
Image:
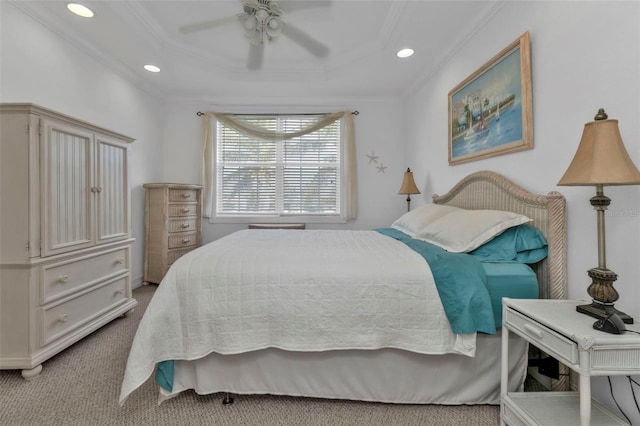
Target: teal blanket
{"x":461,"y":283}
{"x":164,"y":375}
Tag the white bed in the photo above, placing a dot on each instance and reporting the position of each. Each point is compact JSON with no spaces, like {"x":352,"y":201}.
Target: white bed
{"x":327,"y":352}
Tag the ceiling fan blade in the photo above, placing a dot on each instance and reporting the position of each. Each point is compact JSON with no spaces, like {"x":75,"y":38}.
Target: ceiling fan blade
{"x":295,"y":5}
{"x":256,"y":54}
{"x":305,"y":40}
{"x":206,"y":25}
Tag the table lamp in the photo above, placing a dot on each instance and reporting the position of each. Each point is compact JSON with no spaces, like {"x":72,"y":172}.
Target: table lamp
{"x":601,"y":159}
{"x":408,"y":187}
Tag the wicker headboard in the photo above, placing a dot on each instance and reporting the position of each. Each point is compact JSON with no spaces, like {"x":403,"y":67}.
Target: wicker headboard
{"x":489,"y":190}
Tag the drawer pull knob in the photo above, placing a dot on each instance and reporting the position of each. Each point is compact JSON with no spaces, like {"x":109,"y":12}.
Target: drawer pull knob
{"x":120,"y":290}
{"x":185,"y":225}
{"x":185,"y":241}
{"x":63,"y":279}
{"x":64,"y":318}
{"x":119,"y":261}
{"x":532,"y":330}
{"x":185,"y":195}
{"x":185,"y":210}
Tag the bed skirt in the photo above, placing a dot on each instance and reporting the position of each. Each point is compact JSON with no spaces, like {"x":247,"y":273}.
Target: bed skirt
{"x":385,"y":375}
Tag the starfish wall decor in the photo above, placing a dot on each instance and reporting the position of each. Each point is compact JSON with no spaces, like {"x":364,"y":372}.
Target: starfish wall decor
{"x":373,"y":159}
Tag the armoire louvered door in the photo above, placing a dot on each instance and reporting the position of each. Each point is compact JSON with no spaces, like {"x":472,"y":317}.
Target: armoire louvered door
{"x":85,"y":189}
{"x":112,"y":209}
{"x":68,"y":188}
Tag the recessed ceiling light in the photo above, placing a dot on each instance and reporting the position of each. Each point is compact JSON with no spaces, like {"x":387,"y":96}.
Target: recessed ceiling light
{"x":152,"y":68}
{"x":80,"y":10}
{"x":404,"y":53}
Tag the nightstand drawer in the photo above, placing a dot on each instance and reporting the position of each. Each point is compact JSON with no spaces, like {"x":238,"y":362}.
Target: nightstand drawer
{"x":542,"y":337}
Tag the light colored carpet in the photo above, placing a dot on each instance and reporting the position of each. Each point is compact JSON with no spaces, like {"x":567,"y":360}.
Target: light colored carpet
{"x":81,"y":385}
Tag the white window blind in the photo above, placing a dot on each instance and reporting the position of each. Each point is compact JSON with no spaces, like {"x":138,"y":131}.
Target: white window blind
{"x":298,"y":176}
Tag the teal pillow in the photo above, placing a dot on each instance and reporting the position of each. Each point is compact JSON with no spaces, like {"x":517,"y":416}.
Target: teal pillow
{"x":522,"y":243}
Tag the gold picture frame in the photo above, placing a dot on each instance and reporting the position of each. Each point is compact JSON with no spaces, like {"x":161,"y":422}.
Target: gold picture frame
{"x":490,"y":112}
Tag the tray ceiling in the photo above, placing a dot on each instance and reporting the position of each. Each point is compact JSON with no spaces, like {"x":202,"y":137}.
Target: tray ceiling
{"x":362,"y":37}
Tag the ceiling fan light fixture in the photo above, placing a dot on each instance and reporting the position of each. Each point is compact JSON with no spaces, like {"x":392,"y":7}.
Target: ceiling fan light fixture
{"x":273,"y":27}
{"x":262,"y":15}
{"x":261,"y":20}
{"x":273,"y":23}
{"x":250,"y":24}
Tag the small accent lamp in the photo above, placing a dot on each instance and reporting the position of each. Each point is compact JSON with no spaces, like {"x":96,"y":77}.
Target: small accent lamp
{"x":601,"y":159}
{"x":408,"y":187}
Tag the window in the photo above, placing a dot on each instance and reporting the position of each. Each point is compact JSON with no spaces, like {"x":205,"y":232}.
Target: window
{"x":300,"y":176}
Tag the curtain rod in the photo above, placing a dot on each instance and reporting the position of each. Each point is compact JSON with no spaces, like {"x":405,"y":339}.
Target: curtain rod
{"x":200,"y":114}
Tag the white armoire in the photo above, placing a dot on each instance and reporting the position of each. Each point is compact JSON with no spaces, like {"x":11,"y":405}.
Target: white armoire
{"x":65,"y":237}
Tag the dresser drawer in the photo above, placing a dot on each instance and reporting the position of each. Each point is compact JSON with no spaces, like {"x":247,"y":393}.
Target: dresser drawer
{"x":181,"y":210}
{"x":62,"y":318}
{"x":177,"y":195}
{"x":173,"y":255}
{"x":182,"y":225}
{"x":542,"y":337}
{"x":63,"y":278}
{"x":183,"y":240}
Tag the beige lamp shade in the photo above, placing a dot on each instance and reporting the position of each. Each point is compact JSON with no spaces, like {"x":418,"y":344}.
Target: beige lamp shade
{"x":601,"y":158}
{"x":408,"y":184}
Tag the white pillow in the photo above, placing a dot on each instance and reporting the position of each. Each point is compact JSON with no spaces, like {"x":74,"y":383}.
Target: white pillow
{"x":463,"y":230}
{"x":414,"y":221}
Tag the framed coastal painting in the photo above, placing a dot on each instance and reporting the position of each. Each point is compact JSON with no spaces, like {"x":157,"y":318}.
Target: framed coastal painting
{"x":490,"y":112}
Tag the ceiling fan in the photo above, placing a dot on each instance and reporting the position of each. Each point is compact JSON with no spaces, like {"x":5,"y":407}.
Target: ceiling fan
{"x":262,"y":22}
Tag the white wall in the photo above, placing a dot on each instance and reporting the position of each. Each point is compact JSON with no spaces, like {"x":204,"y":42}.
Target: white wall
{"x":38,"y":66}
{"x":378,"y":128}
{"x":585,"y":55}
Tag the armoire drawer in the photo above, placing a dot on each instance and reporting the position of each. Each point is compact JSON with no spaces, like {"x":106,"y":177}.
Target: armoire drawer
{"x":181,"y":210}
{"x":63,"y":278}
{"x":177,"y":195}
{"x":62,"y":318}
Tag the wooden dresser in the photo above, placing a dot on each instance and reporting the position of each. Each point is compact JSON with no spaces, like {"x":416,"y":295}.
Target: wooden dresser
{"x":65,"y":246}
{"x":173,"y":225}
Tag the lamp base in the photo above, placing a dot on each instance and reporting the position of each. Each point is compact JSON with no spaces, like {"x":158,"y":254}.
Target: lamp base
{"x":601,"y":311}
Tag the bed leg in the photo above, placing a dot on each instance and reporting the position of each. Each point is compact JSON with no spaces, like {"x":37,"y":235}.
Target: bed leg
{"x":227,"y":400}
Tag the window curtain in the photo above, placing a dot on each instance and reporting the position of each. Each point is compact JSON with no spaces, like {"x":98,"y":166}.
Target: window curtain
{"x":244,"y":127}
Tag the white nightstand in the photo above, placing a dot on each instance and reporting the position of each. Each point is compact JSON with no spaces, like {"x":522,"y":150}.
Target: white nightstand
{"x":555,"y":327}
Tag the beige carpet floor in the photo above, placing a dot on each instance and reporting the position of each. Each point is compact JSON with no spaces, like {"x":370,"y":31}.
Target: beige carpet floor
{"x":81,"y":385}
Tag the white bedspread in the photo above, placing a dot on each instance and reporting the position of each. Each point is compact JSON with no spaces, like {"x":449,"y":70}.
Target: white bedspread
{"x":292,"y":290}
